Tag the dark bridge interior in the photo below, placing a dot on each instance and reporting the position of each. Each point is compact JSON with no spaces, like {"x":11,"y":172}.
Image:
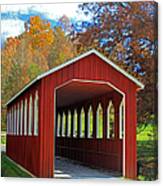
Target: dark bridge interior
{"x":82,"y":130}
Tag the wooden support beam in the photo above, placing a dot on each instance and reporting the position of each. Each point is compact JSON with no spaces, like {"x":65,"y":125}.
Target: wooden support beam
{"x":56,"y":122}
{"x":130,"y":135}
{"x":79,"y":122}
{"x":95,"y":104}
{"x":66,"y":127}
{"x":72,"y":122}
{"x":116,"y":128}
{"x":86,"y":121}
{"x":105,"y":122}
{"x":61,"y":122}
{"x":117,"y":98}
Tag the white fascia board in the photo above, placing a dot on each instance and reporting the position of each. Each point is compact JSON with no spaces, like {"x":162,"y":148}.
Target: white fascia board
{"x":22,"y":90}
{"x":93,"y":51}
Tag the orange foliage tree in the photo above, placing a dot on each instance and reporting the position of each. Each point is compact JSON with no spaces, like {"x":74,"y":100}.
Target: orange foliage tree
{"x":37,"y":49}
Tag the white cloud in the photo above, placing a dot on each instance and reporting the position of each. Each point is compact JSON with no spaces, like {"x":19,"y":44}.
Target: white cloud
{"x":50,"y":10}
{"x":11,"y":27}
{"x":57,"y":10}
{"x":15,"y":26}
{"x":15,"y":8}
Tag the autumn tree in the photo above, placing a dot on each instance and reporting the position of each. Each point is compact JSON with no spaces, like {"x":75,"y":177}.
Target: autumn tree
{"x":39,"y":48}
{"x":10,"y":48}
{"x":127,"y":34}
{"x":26,"y":55}
{"x":40,"y":34}
{"x":62,"y":48}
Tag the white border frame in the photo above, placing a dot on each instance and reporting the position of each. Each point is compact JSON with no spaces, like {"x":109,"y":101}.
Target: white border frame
{"x":93,"y":82}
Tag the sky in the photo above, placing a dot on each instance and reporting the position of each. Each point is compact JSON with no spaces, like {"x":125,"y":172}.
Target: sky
{"x":13,"y":17}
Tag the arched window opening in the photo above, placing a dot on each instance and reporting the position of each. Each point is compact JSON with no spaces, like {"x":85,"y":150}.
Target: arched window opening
{"x":15,"y":124}
{"x":63,"y":124}
{"x":110,"y":120}
{"x":30,"y":116}
{"x":12,"y":120}
{"x":36,"y":110}
{"x":69,"y":124}
{"x":82,"y":123}
{"x":90,"y":122}
{"x":21,"y":117}
{"x":10,"y":114}
{"x":75,"y":124}
{"x":8,"y":122}
{"x":121,"y":120}
{"x":10,"y":129}
{"x":25,"y":117}
{"x":18,"y":112}
{"x":15,"y":119}
{"x":58,"y":124}
{"x":99,"y":122}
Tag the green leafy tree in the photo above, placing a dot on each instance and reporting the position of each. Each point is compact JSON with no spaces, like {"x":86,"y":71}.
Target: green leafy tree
{"x":62,"y":48}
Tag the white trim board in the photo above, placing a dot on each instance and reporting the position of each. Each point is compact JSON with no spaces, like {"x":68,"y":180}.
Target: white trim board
{"x":93,"y":51}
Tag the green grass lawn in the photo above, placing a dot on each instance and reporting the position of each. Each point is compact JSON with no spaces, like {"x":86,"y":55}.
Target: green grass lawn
{"x":10,"y":169}
{"x":147,"y":152}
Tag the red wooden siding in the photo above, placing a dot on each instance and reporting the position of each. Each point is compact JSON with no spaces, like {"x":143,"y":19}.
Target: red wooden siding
{"x":37,"y":153}
{"x":100,"y":153}
{"x":24,"y":149}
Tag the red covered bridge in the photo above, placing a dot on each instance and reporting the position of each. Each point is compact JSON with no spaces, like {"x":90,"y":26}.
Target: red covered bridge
{"x":59,"y":113}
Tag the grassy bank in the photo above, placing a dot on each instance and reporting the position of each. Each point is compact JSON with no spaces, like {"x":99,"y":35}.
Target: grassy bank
{"x":147,"y":152}
{"x":10,"y":169}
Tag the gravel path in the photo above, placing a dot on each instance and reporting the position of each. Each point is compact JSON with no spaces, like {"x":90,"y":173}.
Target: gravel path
{"x":66,"y":168}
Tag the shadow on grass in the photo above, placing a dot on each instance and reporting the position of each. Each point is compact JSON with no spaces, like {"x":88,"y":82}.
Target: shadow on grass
{"x":147,"y":155}
{"x":9,"y":169}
